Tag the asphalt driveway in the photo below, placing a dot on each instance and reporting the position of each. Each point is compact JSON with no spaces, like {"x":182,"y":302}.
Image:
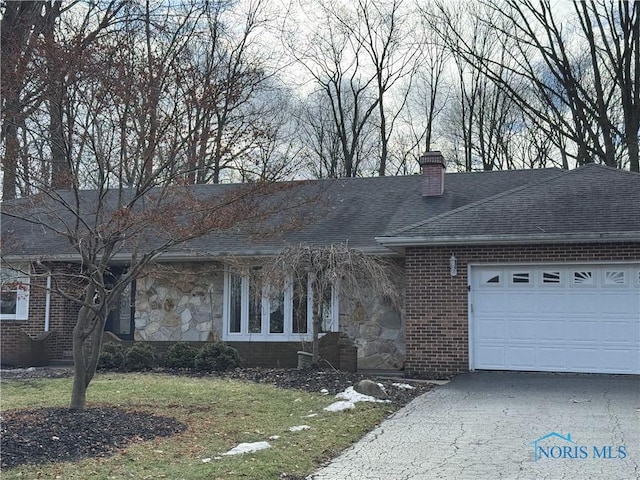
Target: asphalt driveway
{"x":493,"y":425}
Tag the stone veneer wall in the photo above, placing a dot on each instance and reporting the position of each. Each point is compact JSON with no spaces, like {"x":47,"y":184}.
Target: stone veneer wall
{"x":183,"y":302}
{"x":180,"y":302}
{"x":377,"y":330}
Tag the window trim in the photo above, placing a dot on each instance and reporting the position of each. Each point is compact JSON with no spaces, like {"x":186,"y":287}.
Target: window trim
{"x":265,"y":336}
{"x":22,"y":301}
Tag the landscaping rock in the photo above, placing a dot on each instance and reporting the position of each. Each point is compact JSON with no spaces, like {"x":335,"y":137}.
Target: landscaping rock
{"x":371,"y":388}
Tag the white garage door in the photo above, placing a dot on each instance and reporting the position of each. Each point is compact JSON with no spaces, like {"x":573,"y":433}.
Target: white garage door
{"x":557,"y":318}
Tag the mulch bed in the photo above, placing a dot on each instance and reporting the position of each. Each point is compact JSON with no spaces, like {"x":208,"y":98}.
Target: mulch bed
{"x":59,"y":434}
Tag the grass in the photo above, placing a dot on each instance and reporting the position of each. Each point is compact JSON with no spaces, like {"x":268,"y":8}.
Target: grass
{"x":219,"y":414}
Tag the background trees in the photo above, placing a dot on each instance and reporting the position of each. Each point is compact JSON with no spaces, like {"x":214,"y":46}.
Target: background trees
{"x":250,"y":90}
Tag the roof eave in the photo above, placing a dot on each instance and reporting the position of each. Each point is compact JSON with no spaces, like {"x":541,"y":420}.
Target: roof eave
{"x":176,"y":256}
{"x":395,"y":242}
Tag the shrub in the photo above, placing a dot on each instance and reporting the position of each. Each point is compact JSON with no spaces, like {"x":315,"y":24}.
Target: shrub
{"x":140,"y":356}
{"x":181,"y":355}
{"x":217,"y":356}
{"x":112,"y":356}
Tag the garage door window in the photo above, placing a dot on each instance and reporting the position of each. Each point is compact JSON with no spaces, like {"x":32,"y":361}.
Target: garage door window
{"x":519,"y":278}
{"x":491,"y":277}
{"x":614,"y":277}
{"x":551,"y":277}
{"x":583,"y":277}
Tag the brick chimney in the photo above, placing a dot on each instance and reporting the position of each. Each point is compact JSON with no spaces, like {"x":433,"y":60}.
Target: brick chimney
{"x":433,"y":167}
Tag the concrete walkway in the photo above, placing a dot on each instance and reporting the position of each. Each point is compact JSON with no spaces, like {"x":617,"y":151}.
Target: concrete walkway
{"x":483,"y":425}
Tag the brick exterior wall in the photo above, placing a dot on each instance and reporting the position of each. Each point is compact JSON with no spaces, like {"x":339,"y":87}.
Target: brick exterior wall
{"x":437,"y":306}
{"x":24,"y":342}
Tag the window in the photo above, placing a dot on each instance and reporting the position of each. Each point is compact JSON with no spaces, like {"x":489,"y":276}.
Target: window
{"x":551,"y":277}
{"x":614,"y":277}
{"x":490,"y":277}
{"x":520,"y":277}
{"x":273,"y":313}
{"x":14,"y":295}
{"x":583,"y":277}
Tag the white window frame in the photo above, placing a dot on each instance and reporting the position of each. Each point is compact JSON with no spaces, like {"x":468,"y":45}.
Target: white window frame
{"x":22,"y":301}
{"x":264,"y":335}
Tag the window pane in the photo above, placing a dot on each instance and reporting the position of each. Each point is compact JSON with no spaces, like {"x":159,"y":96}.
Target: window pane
{"x":327,"y":317}
{"x":9,"y":302}
{"x":520,"y":277}
{"x":551,"y":277}
{"x":255,"y":310}
{"x":124,"y":317}
{"x":300,"y":306}
{"x":235,"y":302}
{"x":276,"y":314}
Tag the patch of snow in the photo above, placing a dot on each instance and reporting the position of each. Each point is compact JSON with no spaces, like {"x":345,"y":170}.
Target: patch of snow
{"x":406,"y":386}
{"x":299,"y":428}
{"x":352,"y":396}
{"x":311,"y":415}
{"x":248,"y":448}
{"x":274,"y":437}
{"x":324,"y":391}
{"x":206,"y":460}
{"x":339,"y":406}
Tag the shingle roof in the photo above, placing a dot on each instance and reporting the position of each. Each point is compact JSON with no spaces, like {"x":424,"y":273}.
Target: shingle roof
{"x":589,"y":202}
{"x":357,"y":210}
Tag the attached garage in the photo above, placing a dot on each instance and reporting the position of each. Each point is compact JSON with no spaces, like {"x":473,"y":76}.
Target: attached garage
{"x":555,"y":317}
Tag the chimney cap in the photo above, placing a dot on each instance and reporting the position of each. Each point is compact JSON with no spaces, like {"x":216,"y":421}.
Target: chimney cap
{"x":430,"y":158}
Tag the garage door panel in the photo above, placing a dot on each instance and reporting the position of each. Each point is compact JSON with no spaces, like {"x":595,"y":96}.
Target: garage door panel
{"x":551,"y":330}
{"x":552,"y":358}
{"x":612,"y":359}
{"x":584,"y":360}
{"x":522,"y":330}
{"x":620,"y":332}
{"x":520,"y":303}
{"x":522,"y":357}
{"x":618,"y":303}
{"x":491,"y":302}
{"x":492,"y":356}
{"x":491,"y":330}
{"x":583,"y":331}
{"x":549,"y":302}
{"x":585,"y":302}
{"x":569,"y":323}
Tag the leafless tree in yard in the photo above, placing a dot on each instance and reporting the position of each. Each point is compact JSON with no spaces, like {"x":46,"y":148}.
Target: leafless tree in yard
{"x":320,"y":269}
{"x":119,"y":104}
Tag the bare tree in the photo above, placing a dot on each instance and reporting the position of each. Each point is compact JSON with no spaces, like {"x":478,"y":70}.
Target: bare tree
{"x":389,"y":40}
{"x":334,"y":58}
{"x":576,"y":77}
{"x":135,"y":225}
{"x":120,"y":111}
{"x":320,"y":269}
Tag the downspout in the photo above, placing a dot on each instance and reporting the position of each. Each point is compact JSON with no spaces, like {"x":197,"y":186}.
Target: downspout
{"x":47,"y":304}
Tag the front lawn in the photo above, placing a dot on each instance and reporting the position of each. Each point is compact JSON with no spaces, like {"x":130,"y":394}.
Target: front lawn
{"x":218,"y":414}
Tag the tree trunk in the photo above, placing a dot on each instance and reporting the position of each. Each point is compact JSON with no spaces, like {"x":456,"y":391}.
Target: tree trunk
{"x":85,"y":360}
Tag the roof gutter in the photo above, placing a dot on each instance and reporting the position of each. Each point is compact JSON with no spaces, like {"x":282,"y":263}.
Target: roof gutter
{"x":610,"y":237}
{"x":123,"y":258}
